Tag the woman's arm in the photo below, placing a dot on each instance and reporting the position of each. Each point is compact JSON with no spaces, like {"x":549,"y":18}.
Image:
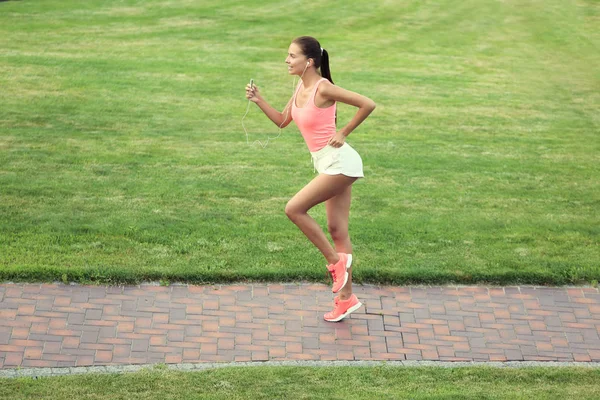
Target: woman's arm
{"x":365,"y":107}
{"x":281,"y":119}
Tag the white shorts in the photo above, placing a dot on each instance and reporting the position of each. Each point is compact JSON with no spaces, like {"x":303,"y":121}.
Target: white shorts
{"x":334,"y":161}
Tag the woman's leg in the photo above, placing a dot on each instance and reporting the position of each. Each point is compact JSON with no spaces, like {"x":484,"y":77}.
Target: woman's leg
{"x":338,"y":213}
{"x":320,"y":189}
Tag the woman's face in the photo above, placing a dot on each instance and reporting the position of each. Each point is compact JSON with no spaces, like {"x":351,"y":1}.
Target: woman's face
{"x":296,"y":61}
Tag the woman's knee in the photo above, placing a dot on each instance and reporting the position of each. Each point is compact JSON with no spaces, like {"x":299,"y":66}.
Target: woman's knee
{"x":337,"y":231}
{"x":292,"y":210}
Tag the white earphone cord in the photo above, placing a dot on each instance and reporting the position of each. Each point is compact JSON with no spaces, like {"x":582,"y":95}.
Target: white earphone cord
{"x":287,"y":110}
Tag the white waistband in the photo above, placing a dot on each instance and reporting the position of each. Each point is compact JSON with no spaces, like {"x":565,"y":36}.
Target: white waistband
{"x":324,"y":151}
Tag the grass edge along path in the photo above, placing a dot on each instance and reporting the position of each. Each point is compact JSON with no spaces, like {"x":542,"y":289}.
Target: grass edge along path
{"x":573,"y":275}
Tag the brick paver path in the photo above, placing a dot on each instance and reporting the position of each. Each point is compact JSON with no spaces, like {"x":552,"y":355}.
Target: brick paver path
{"x":61,"y":325}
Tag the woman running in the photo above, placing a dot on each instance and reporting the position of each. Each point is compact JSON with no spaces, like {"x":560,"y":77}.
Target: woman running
{"x":313,"y":109}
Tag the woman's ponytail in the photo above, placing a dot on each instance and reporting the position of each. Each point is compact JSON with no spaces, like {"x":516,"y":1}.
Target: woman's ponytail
{"x":325,"y":72}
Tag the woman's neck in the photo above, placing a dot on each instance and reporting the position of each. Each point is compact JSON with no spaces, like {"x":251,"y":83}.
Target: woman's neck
{"x":310,"y":78}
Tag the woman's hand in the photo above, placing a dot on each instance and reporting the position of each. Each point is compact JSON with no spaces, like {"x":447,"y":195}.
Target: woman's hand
{"x":337,"y":140}
{"x":252,"y":93}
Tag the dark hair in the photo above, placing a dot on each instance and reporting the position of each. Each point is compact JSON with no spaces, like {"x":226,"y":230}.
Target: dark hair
{"x":311,"y":48}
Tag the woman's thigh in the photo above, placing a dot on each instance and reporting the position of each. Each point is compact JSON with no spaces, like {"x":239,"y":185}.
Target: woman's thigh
{"x":338,"y":210}
{"x":320,"y":189}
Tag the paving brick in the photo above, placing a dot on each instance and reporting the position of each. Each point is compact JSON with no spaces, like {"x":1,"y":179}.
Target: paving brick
{"x":33,"y":353}
{"x":226,"y":344}
{"x":91,"y":314}
{"x":36,"y":328}
{"x":456,"y":325}
{"x":277,"y":352}
{"x":594,"y":354}
{"x":431,"y":333}
{"x":291,"y":347}
{"x":19,"y":333}
{"x":52,"y":347}
{"x":378,"y":347}
{"x":260,"y":335}
{"x":472,"y":322}
{"x":13,"y":359}
{"x":208,"y":348}
{"x":39,"y":364}
{"x":103,"y":356}
{"x":173,"y":359}
{"x":441,"y":330}
{"x":24,"y":343}
{"x":375,"y":325}
{"x":405,"y":338}
{"x":345,"y":355}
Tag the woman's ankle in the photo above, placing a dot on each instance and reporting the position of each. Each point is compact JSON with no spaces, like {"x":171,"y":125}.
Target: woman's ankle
{"x":345,"y":295}
{"x":333,"y":259}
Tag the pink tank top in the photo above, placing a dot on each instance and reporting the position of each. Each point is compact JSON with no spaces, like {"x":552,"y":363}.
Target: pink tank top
{"x":317,"y":125}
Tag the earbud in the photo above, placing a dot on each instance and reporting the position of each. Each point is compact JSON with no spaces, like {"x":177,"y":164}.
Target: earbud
{"x":308,"y":63}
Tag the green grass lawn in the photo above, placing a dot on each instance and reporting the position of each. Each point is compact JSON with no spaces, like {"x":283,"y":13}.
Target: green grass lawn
{"x":317,"y":383}
{"x":123,"y":158}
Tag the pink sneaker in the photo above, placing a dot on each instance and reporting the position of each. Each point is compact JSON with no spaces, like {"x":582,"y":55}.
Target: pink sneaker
{"x":339,"y":271}
{"x":342,"y":308}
